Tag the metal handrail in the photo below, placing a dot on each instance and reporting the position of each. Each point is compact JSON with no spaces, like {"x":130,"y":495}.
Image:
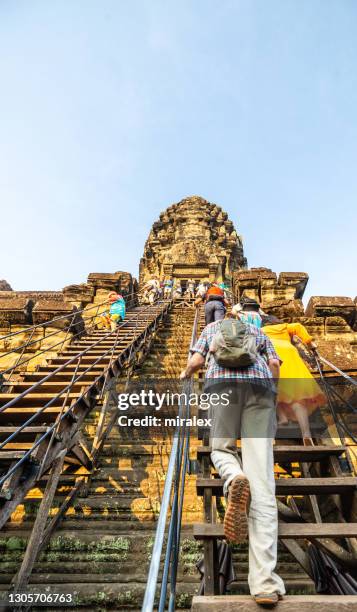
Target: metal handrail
{"x":55,"y":319}
{"x":50,"y":430}
{"x":175,"y":475}
{"x":71,"y":360}
{"x":60,"y":368}
{"x":341,"y":425}
{"x":30,"y":342}
{"x":340,"y":372}
{"x":71,"y":316}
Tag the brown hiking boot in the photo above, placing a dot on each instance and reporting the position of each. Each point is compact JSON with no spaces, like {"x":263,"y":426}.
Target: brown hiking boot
{"x":268,"y":600}
{"x":236,"y":516}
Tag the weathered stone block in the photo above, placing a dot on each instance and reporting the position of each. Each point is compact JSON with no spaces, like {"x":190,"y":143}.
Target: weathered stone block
{"x":256,"y":279}
{"x":127,"y":284}
{"x":15,"y":310}
{"x":270,"y":295}
{"x":340,"y":353}
{"x":289,"y":310}
{"x":298,"y":280}
{"x":46,"y":310}
{"x":244,"y":282}
{"x":82,"y":293}
{"x":314,"y":325}
{"x":8,"y":295}
{"x":338,"y":329}
{"x":330,"y":306}
{"x":104,"y":280}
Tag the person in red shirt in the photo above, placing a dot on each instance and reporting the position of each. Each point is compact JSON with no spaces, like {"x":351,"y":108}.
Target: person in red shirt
{"x":215,"y":304}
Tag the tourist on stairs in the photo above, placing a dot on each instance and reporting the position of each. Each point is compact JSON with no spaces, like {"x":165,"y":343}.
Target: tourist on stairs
{"x":201,"y":291}
{"x":298,"y":392}
{"x":151,"y":290}
{"x":248,"y":311}
{"x":168,"y":285}
{"x":190,"y":290}
{"x":243,"y":380}
{"x":215,"y":305}
{"x":177,"y":289}
{"x":117,"y":309}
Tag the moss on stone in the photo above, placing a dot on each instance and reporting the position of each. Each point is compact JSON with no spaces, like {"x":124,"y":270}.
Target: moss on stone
{"x":15,"y":543}
{"x":115,"y":549}
{"x":183,"y":600}
{"x":190,"y":552}
{"x":128,"y":597}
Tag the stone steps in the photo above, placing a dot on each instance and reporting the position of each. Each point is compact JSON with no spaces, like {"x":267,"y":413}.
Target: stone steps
{"x":290,"y":603}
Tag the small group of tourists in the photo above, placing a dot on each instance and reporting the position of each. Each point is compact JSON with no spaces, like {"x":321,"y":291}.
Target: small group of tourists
{"x":251,"y":356}
{"x":173,"y":288}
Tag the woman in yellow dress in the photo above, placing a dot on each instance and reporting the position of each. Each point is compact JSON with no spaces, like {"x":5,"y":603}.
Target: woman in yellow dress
{"x":298,"y":392}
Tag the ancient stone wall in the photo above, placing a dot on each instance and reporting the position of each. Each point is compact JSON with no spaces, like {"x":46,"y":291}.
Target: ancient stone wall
{"x":331,"y":320}
{"x":19,"y":310}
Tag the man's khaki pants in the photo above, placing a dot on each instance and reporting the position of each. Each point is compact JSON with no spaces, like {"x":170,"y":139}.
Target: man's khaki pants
{"x":250,"y":415}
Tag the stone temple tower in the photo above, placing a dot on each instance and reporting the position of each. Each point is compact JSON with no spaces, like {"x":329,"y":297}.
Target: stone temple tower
{"x":192,"y":239}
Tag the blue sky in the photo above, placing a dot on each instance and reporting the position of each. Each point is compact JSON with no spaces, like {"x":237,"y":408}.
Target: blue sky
{"x":110,"y":111}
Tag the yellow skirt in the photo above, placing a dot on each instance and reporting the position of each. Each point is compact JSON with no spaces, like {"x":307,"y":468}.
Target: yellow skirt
{"x":296,"y":382}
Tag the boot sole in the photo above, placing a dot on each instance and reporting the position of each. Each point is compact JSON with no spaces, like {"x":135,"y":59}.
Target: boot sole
{"x":267,"y":602}
{"x":236,"y":517}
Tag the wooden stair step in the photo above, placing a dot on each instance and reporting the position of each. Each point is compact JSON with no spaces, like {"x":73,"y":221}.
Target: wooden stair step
{"x":20,"y":415}
{"x":61,"y":377}
{"x":28,"y":433}
{"x":96,"y":350}
{"x":92,"y":353}
{"x":290,"y":603}
{"x":57,"y":361}
{"x":122,"y":340}
{"x":36,"y":398}
{"x":69,"y":369}
{"x":9,"y":456}
{"x":293,"y":453}
{"x":203,"y":531}
{"x":289,"y":486}
{"x":54,"y":386}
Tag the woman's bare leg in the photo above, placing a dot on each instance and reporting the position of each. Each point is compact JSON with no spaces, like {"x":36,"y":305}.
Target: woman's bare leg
{"x":282,"y":418}
{"x":302,"y":417}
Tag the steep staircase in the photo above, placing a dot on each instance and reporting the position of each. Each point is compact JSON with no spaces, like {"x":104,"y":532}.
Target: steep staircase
{"x":316,"y":496}
{"x":74,"y":413}
{"x":101,"y":550}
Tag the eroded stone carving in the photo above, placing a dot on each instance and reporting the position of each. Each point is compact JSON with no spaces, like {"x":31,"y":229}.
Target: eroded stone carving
{"x":193,"y":238}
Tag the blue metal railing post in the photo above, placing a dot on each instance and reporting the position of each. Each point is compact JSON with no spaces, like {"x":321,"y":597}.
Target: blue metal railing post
{"x":177,"y":469}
